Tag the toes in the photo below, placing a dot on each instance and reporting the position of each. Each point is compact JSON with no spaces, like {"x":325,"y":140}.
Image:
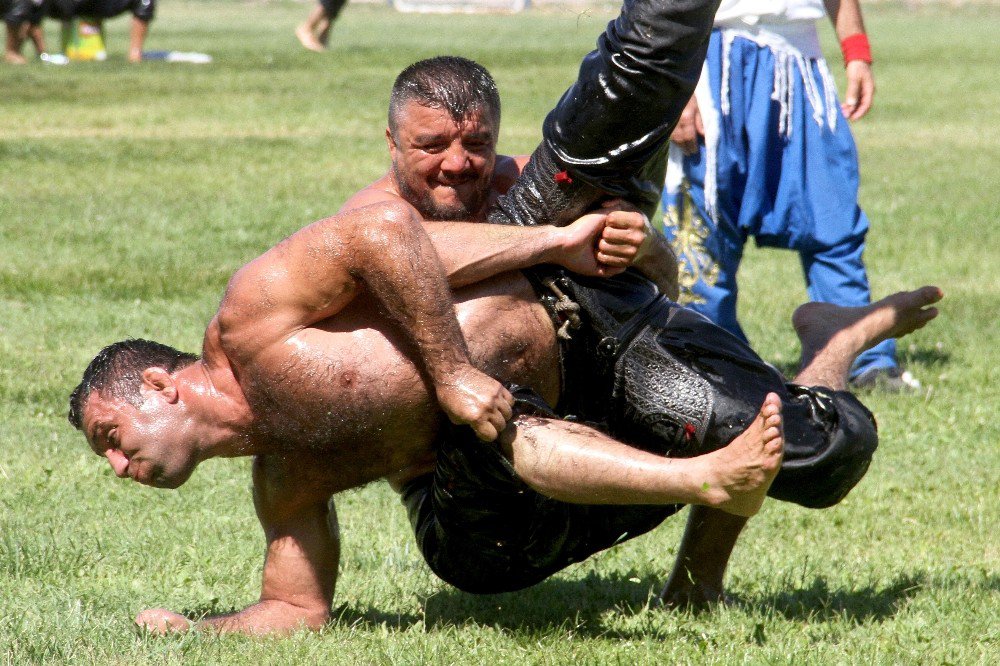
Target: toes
{"x":928,"y":314}
{"x":771,"y":434}
{"x":930,"y":294}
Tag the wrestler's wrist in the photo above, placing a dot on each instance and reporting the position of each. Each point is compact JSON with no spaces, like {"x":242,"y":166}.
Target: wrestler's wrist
{"x":557,"y":244}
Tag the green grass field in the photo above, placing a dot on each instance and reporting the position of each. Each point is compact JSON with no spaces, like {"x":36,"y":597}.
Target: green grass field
{"x":129,"y":194}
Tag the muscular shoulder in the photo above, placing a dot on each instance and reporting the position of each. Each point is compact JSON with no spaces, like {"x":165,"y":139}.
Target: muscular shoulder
{"x":506,"y":171}
{"x":240,"y":325}
{"x":381,"y":191}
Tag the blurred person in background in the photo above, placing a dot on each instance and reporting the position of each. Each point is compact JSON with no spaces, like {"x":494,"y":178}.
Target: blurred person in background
{"x":23,"y":21}
{"x":314,"y":32}
{"x":96,"y":11}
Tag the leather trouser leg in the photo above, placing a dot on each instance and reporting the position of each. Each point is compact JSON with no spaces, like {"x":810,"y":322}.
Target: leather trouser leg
{"x":609,"y":131}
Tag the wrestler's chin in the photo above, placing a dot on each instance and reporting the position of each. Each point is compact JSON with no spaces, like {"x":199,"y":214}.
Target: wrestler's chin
{"x":445,"y":210}
{"x":167,"y":480}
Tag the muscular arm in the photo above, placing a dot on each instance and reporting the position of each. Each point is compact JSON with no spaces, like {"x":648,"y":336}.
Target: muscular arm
{"x":300,"y":565}
{"x":316,"y":272}
{"x":471,"y":251}
{"x":597,"y":244}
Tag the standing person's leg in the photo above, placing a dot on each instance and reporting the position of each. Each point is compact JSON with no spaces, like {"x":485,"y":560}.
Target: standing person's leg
{"x":837,"y":275}
{"x":137,"y":38}
{"x":706,"y":191}
{"x":19,"y":17}
{"x":708,"y":253}
{"x":314,"y":32}
{"x":37,"y":37}
{"x":333,"y":8}
{"x":143,"y":12}
{"x":12,"y":51}
{"x":819,"y":199}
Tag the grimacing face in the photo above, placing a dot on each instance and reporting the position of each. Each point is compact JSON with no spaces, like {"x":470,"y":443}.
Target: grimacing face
{"x":442,"y":167}
{"x":148,"y":444}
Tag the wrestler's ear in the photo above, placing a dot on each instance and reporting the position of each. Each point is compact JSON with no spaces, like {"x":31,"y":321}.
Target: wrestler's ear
{"x":159,"y":380}
{"x":390,"y":141}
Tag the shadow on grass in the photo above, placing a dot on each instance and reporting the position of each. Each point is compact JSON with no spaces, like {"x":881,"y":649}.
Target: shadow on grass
{"x":930,"y":357}
{"x":581,"y":606}
{"x":552,"y":605}
{"x":818,"y":602}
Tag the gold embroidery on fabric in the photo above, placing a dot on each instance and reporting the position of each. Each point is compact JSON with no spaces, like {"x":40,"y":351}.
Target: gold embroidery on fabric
{"x":695,"y":263}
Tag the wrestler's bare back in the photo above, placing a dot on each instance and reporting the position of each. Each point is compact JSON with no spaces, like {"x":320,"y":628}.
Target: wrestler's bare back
{"x":345,"y":403}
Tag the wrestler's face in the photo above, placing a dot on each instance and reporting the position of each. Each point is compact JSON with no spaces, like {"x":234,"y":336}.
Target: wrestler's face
{"x":443,"y":167}
{"x":151,"y":444}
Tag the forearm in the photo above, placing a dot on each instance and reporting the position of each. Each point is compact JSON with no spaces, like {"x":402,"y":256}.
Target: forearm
{"x":471,"y":252}
{"x":845,"y":15}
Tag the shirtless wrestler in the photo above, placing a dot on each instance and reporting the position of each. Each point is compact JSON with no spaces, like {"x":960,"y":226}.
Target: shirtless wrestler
{"x":329,"y":403}
{"x":170,"y":411}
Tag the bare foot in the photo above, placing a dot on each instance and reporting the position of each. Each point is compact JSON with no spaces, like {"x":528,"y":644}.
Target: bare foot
{"x":308,"y":39}
{"x":739,"y":474}
{"x":850,"y":331}
{"x":14,"y":58}
{"x":162,"y":621}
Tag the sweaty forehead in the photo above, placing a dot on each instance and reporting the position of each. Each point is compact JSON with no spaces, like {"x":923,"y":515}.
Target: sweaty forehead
{"x":417,"y":118}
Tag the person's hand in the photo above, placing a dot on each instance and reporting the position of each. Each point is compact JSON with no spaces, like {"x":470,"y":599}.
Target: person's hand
{"x":162,"y":621}
{"x":471,"y":397}
{"x":689,"y":128}
{"x":603,"y":243}
{"x":860,"y":90}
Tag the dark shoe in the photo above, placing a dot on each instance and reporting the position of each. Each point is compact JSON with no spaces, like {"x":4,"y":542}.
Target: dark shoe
{"x":890,"y":380}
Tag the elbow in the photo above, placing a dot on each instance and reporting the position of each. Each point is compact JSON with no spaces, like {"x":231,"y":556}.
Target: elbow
{"x":389,"y":222}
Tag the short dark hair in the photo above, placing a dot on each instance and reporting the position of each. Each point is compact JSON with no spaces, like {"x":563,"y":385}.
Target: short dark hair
{"x":457,"y":85}
{"x":117,"y":369}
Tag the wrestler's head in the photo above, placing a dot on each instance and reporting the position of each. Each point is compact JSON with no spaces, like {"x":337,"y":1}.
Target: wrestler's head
{"x":127,"y":405}
{"x":444,"y":117}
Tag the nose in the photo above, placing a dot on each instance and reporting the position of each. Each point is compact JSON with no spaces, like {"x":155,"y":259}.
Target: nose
{"x":456,"y":159}
{"x":118,"y":461}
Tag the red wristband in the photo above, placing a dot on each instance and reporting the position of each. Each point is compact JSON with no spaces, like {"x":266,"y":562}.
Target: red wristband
{"x":856,"y":47}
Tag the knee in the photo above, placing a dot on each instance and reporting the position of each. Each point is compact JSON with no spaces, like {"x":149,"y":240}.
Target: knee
{"x":820,"y":475}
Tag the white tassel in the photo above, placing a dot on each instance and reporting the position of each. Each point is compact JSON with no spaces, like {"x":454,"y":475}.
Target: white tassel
{"x":830,"y":95}
{"x":811,"y":90}
{"x":712,"y":123}
{"x":727,"y":47}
